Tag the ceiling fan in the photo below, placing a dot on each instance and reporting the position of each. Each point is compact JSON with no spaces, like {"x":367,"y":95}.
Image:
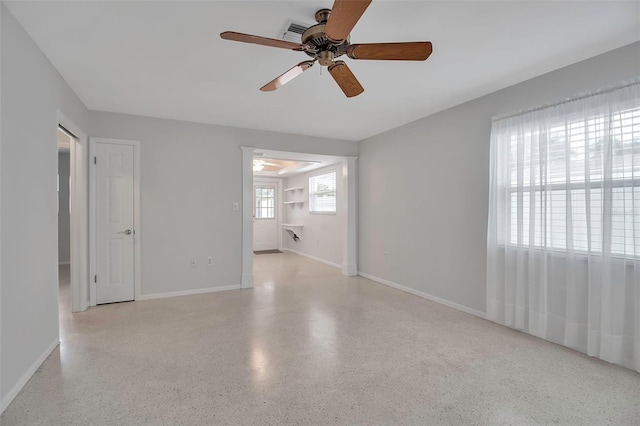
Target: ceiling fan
{"x":329,"y":39}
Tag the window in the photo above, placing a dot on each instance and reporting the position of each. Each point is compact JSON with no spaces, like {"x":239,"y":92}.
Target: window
{"x":563,"y":230}
{"x":573,"y":183}
{"x":265,"y":202}
{"x":322,"y":193}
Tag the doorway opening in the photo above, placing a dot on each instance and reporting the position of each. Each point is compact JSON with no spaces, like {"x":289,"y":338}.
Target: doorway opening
{"x":300,"y":204}
{"x":65,"y":140}
{"x":73,"y":214}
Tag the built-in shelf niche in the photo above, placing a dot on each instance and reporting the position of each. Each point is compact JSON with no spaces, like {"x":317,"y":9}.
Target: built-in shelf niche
{"x":293,"y":191}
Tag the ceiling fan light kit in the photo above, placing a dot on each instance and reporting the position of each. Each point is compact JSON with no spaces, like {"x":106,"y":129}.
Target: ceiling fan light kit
{"x":329,"y":39}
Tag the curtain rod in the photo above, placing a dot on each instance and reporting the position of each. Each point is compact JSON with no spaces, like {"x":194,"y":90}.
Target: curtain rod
{"x":584,"y":95}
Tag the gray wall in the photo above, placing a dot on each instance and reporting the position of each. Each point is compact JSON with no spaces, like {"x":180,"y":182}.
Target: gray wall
{"x":190,"y":176}
{"x":424,"y":187}
{"x":63,"y":208}
{"x":32,"y":93}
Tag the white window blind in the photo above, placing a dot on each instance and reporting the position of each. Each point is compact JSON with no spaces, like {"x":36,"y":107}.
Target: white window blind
{"x":575,"y":184}
{"x":322,"y":193}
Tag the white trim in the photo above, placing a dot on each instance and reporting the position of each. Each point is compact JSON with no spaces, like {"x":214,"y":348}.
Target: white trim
{"x":64,"y":263}
{"x":247,"y":217}
{"x":348,"y":202}
{"x":92,"y":225}
{"x":326,"y":262}
{"x":187,"y":292}
{"x":136,"y":215}
{"x":247,"y":280}
{"x":439,"y":300}
{"x":79,"y":238}
{"x":27,"y":375}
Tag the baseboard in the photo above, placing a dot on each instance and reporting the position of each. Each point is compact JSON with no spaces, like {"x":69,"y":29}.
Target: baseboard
{"x":349,"y":270}
{"x":326,"y":262}
{"x":64,"y":263}
{"x":187,"y":292}
{"x":27,"y":375}
{"x":425,"y":295}
{"x":247,"y":281}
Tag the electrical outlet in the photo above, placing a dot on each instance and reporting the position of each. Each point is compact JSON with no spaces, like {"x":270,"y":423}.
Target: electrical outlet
{"x":193,"y":263}
{"x":210,"y":261}
{"x":235,"y":206}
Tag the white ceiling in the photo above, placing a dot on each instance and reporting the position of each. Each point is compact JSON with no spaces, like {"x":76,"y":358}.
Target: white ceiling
{"x":166,"y":59}
{"x":279,"y":168}
{"x":309,"y":162}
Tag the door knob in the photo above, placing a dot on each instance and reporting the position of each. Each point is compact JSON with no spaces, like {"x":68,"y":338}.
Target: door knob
{"x":126,"y":232}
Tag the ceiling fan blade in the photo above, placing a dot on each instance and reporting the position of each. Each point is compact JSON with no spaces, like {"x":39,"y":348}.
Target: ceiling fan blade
{"x":345,"y":79}
{"x":286,"y":77}
{"x":343,"y":17}
{"x":412,"y":51}
{"x":263,"y":41}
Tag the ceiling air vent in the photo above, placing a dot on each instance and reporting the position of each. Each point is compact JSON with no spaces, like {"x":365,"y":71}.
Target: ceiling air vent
{"x":293,"y":31}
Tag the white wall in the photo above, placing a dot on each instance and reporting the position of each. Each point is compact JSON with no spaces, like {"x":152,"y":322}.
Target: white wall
{"x":32,"y":94}
{"x":190,"y":176}
{"x":63,"y":208}
{"x":424,"y":187}
{"x":322,"y":236}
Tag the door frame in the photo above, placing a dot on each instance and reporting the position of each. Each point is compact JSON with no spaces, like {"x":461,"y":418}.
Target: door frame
{"x":348,"y":200}
{"x":137,"y":236}
{"x":279,"y":203}
{"x":78,"y":235}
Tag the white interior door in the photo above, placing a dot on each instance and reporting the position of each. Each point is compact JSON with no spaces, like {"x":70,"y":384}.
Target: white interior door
{"x":265,"y":219}
{"x":114,"y":215}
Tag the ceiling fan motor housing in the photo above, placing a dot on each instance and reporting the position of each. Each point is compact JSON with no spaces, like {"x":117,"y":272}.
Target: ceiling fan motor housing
{"x":325,"y":58}
{"x":325,"y":49}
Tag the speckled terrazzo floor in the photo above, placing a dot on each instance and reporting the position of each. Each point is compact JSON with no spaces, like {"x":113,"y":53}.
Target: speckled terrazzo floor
{"x":309,"y":346}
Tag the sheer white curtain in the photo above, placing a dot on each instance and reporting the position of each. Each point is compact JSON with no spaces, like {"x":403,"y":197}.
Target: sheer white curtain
{"x":564,"y":224}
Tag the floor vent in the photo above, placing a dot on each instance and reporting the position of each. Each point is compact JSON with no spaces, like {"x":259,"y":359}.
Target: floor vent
{"x":294,"y":30}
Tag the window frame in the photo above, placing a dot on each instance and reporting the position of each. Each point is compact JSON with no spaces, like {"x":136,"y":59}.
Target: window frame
{"x":613,"y":183}
{"x":313,"y":192}
{"x":255,"y":204}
